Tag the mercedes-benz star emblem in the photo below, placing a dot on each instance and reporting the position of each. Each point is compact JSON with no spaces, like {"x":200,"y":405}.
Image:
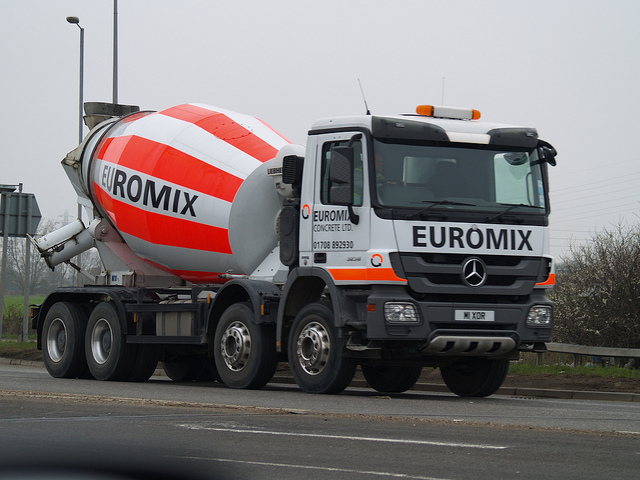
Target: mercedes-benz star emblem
{"x":474,"y":272}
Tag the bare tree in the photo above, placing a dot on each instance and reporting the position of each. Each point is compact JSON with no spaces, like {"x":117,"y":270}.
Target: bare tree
{"x":597,"y":296}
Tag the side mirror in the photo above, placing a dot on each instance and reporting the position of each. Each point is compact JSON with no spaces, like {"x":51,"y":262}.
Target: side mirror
{"x":547,"y":153}
{"x":292,"y":166}
{"x":341,"y":175}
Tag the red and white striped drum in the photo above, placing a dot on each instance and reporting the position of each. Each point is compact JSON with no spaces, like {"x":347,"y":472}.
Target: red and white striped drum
{"x":187,"y":189}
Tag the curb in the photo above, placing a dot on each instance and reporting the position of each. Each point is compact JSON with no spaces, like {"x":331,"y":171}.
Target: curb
{"x":17,"y":361}
{"x":434,"y":387}
{"x":508,"y":391}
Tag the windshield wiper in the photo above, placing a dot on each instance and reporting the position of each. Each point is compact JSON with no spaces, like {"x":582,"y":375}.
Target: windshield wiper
{"x":436,"y":203}
{"x":507,"y":210}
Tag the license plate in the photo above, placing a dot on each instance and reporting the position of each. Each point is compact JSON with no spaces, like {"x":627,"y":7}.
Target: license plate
{"x":475,"y":315}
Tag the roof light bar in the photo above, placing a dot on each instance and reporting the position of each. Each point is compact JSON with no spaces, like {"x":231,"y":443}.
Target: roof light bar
{"x":448,"y":112}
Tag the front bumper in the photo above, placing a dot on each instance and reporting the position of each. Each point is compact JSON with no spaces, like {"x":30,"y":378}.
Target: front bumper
{"x":454,"y":328}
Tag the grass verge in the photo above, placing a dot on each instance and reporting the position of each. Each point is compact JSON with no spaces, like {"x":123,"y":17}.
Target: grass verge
{"x":13,"y":318}
{"x":13,"y":349}
{"x":18,"y":300}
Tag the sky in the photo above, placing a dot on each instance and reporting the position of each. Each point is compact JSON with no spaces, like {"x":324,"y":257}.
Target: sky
{"x":569,"y":68}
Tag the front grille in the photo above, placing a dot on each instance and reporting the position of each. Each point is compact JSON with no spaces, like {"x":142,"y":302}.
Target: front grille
{"x":438,"y":273}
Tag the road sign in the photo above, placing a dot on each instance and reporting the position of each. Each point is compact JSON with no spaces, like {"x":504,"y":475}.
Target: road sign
{"x":19,"y":214}
{"x":19,"y":217}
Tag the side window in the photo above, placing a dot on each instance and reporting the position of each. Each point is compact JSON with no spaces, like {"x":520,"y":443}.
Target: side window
{"x":358,"y":173}
{"x":513,"y":180}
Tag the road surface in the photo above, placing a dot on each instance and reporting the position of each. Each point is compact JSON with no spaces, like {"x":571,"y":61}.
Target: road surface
{"x":280,"y":432}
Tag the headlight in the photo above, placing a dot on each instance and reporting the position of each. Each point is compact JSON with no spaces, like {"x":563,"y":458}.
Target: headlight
{"x":400,"y":312}
{"x":539,"y":316}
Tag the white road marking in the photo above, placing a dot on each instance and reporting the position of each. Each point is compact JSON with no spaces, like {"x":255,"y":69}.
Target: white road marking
{"x":310,"y":467}
{"x":194,"y":426}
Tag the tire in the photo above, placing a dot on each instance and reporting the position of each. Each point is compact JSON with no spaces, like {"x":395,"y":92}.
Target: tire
{"x":475,"y":377}
{"x":182,"y":364}
{"x":109,"y":356}
{"x":210,"y":371}
{"x":185,"y":368}
{"x":244,"y":352}
{"x":145,"y":363}
{"x":315,"y":352}
{"x":391,"y":379}
{"x":63,"y":340}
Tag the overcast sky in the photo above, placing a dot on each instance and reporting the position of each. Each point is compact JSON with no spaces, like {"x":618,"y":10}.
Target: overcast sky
{"x":569,"y":68}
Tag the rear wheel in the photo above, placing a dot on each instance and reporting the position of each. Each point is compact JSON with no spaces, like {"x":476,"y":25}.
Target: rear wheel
{"x":210,"y":371}
{"x":109,"y":356}
{"x":63,"y":340}
{"x":315,"y":352}
{"x":183,"y":369}
{"x":391,"y":379}
{"x":475,"y":377}
{"x":184,"y":365}
{"x":244,"y":352}
{"x":145,"y":362}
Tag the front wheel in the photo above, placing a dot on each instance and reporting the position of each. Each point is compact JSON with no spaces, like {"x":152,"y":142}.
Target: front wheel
{"x":391,"y":379}
{"x":244,"y":352}
{"x":475,"y":377}
{"x":315,"y":352}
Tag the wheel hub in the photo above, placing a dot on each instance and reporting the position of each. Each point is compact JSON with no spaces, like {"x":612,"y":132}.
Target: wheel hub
{"x":56,"y":340}
{"x":235,"y":346}
{"x":106,"y":342}
{"x":101,"y":341}
{"x":313,"y":348}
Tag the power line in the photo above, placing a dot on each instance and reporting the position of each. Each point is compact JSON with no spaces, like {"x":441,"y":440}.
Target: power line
{"x":634,"y":161}
{"x":594,"y":189}
{"x":619,"y":202}
{"x":597,"y":213}
{"x":591,"y":195}
{"x":581,"y":172}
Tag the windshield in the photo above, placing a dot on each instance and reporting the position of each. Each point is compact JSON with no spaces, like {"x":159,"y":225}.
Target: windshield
{"x":460,"y":177}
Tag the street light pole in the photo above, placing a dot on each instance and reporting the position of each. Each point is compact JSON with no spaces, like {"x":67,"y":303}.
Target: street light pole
{"x":76,"y":21}
{"x":115,"y":51}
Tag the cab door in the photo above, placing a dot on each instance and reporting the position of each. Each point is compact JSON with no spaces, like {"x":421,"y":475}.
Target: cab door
{"x":339,"y":235}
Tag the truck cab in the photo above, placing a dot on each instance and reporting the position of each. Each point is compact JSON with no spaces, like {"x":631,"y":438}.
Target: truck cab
{"x":429,"y":232}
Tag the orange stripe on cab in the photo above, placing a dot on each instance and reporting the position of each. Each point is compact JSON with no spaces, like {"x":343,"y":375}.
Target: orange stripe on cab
{"x":550,"y":281}
{"x":365,"y":275}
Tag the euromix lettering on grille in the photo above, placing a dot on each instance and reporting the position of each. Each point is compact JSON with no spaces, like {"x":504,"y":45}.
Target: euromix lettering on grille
{"x":479,"y":238}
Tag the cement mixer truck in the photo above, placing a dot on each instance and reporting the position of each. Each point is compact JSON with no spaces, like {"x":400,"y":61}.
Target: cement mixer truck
{"x":390,"y":243}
